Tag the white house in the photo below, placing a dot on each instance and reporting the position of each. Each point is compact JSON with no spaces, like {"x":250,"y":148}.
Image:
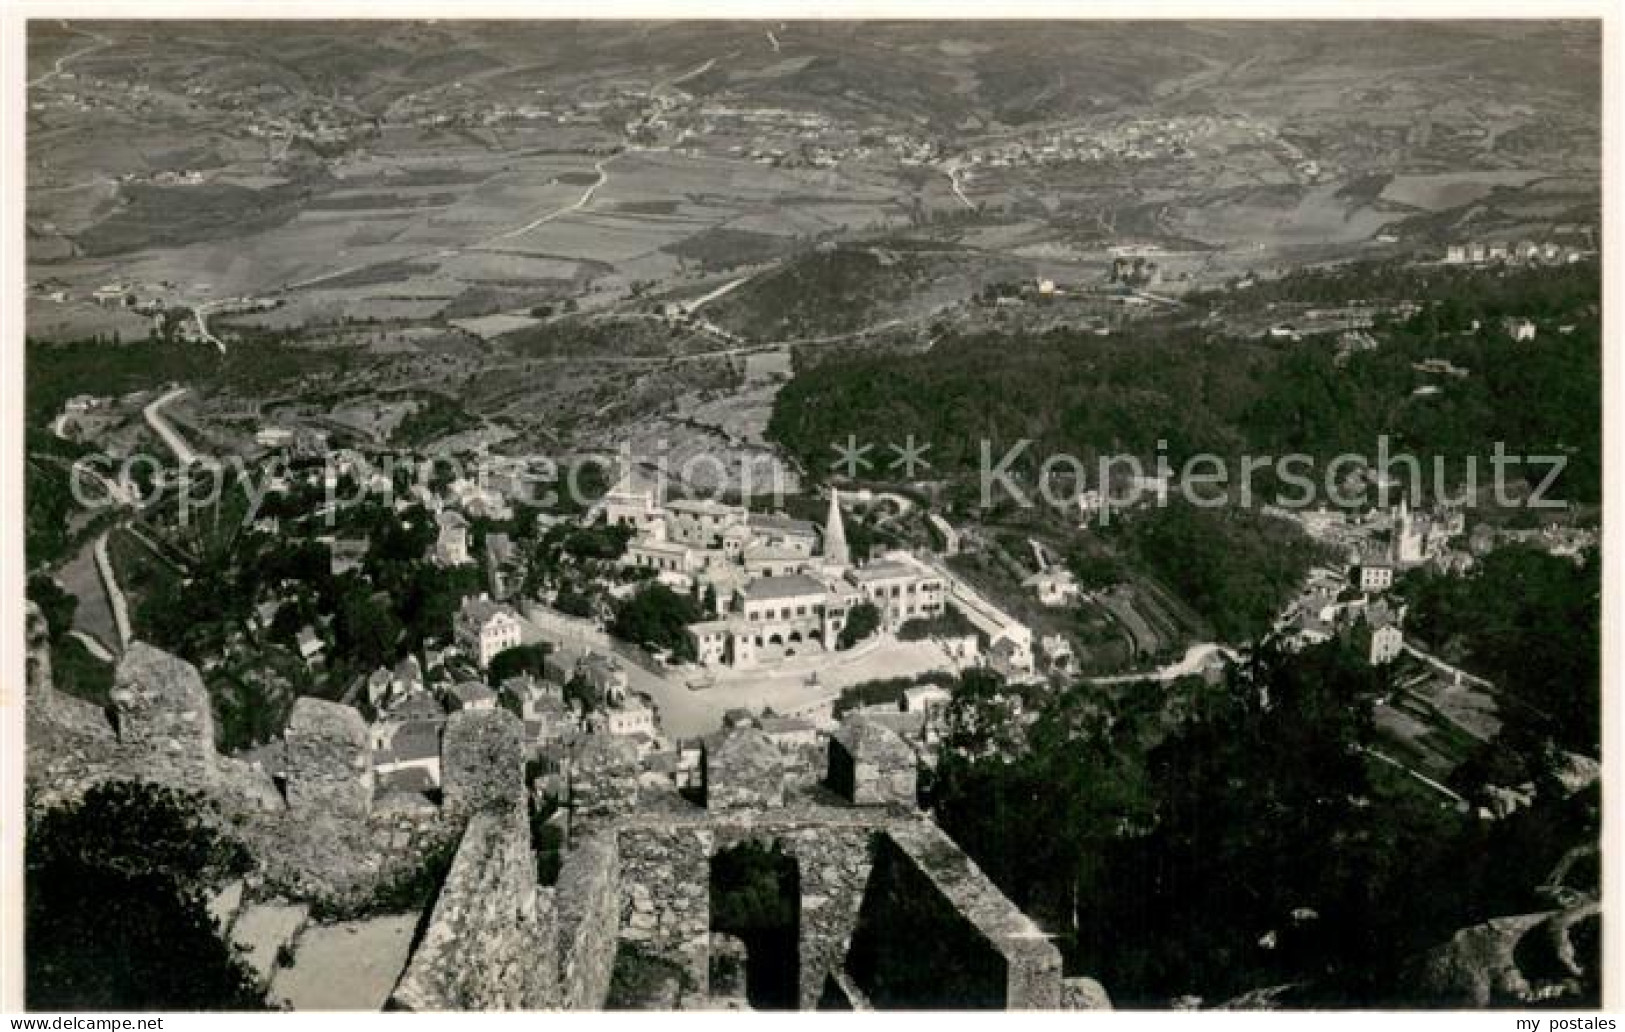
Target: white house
{"x":1054,"y":587}
{"x":1387,"y":642}
{"x":451,"y":547}
{"x":1520,"y":329}
{"x":484,"y":628}
{"x":1376,"y":577}
{"x":632,"y":717}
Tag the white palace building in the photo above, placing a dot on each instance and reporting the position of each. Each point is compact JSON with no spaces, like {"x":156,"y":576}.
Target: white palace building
{"x":784,"y":586}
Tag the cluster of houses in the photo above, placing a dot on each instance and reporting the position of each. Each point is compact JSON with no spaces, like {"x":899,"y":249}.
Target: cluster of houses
{"x":1523,"y":252}
{"x":411,"y":708}
{"x":1334,"y":603}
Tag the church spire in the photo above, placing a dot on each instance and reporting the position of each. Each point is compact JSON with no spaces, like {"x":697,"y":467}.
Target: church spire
{"x":835,"y":550}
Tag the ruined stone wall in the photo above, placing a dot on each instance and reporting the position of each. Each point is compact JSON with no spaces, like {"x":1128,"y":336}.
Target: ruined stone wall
{"x":159,"y":728}
{"x":940,"y":893}
{"x":495,"y":940}
{"x":329,"y":759}
{"x":482,"y":763}
{"x":666,"y":893}
{"x":328,"y":849}
{"x":489,"y":943}
{"x":744,"y":772}
{"x":666,"y":882}
{"x":163,"y":715}
{"x":834,"y":863}
{"x":588,"y":902}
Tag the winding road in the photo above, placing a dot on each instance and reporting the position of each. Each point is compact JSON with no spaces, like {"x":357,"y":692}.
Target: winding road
{"x":581,"y":202}
{"x":154,"y":416}
{"x":953,"y":177}
{"x":115,"y":596}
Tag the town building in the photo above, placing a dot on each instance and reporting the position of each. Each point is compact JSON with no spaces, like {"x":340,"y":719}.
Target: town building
{"x":632,"y":717}
{"x":472,"y":695}
{"x":1054,"y":587}
{"x":484,"y":628}
{"x":451,"y":546}
{"x":1376,"y":576}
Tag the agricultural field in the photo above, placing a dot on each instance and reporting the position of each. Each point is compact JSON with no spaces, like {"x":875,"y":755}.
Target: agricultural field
{"x":632,"y":246}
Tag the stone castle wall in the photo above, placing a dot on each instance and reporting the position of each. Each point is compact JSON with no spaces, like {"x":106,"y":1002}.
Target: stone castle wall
{"x":487,"y":943}
{"x":588,"y":901}
{"x":329,"y":759}
{"x":495,"y":939}
{"x":330,"y":846}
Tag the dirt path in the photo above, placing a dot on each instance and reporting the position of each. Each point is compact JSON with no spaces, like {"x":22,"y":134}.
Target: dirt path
{"x":601,"y":166}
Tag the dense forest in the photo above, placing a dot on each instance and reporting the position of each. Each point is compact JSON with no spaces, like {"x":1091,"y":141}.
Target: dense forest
{"x":1208,"y":841}
{"x":1529,"y":622}
{"x":1178,"y":383}
{"x":1234,"y":566}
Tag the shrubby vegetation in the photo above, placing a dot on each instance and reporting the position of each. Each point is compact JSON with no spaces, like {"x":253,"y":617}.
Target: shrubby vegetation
{"x":656,"y":616}
{"x":435,"y":417}
{"x":117,"y":917}
{"x":1235,"y":566}
{"x":861,"y":622}
{"x":517,"y":661}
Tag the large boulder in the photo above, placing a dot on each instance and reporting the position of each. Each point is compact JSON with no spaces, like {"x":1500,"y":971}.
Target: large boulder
{"x":1084,"y":993}
{"x":1515,"y":961}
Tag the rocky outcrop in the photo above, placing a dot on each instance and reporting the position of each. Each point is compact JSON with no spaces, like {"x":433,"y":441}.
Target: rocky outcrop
{"x":1514,"y":961}
{"x":1082,"y":993}
{"x":329,"y":759}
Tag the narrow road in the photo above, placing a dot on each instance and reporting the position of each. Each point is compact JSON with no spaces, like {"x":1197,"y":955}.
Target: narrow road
{"x":654,"y":90}
{"x":203,"y":328}
{"x":690,"y":307}
{"x":1423,"y":778}
{"x":154,"y":416}
{"x":92,"y":646}
{"x":1443,"y":667}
